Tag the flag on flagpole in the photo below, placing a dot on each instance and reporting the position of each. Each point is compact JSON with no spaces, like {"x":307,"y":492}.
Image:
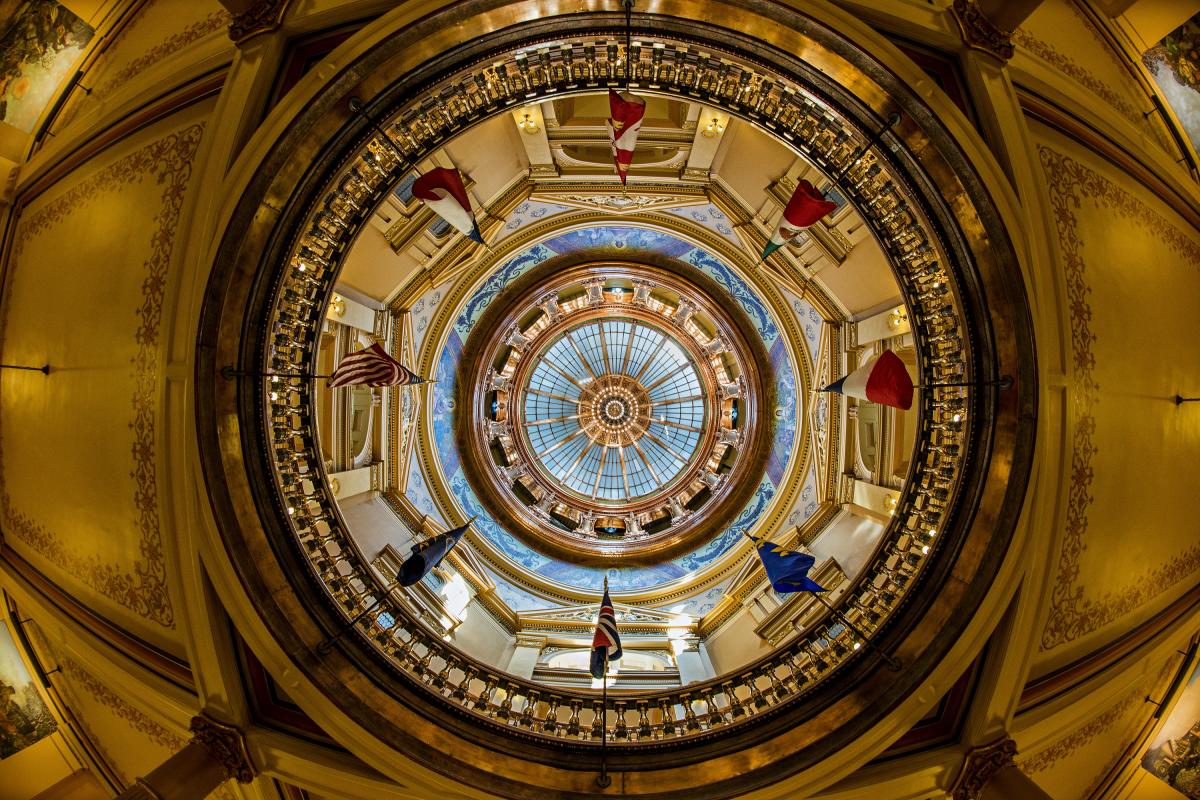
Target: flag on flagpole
{"x":787,"y":570}
{"x":606,"y":640}
{"x":372,"y":366}
{"x":442,"y":190}
{"x":804,"y":209}
{"x":428,"y":554}
{"x":627,"y":111}
{"x":884,"y":379}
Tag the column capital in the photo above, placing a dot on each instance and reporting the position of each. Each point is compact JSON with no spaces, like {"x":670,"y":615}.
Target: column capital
{"x":980,"y":33}
{"x":980,"y":765}
{"x":227,"y":745}
{"x":531,"y":640}
{"x":252,"y":17}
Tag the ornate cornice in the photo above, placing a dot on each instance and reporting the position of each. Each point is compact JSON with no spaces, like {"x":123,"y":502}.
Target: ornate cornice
{"x":980,"y":765}
{"x":979,"y":33}
{"x":227,"y":745}
{"x":262,"y":17}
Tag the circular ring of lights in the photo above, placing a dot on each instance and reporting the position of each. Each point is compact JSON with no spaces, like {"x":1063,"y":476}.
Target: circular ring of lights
{"x":615,"y":411}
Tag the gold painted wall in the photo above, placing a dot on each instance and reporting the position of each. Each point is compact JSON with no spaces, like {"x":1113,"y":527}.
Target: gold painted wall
{"x":1129,"y":273}
{"x":92,"y":261}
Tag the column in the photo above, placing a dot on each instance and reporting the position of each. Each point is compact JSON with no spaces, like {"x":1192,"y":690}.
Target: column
{"x":525,"y":656}
{"x":989,"y":773}
{"x":216,"y":753}
{"x":987,"y":25}
{"x":688,"y":660}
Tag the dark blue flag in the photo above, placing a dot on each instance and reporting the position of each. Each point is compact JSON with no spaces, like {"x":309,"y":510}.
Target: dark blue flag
{"x":606,"y":643}
{"x":787,"y":570}
{"x":428,"y":554}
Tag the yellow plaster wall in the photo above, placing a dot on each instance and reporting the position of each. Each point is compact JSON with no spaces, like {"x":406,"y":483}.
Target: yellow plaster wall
{"x":1076,"y":765}
{"x":159,"y":29}
{"x":81,"y":451}
{"x":1128,"y":266}
{"x":35,"y":769}
{"x":1060,"y":37}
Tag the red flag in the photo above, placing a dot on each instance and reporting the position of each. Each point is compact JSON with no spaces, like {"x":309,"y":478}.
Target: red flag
{"x":442,"y":190}
{"x":627,"y":111}
{"x":804,"y":209}
{"x":884,"y":379}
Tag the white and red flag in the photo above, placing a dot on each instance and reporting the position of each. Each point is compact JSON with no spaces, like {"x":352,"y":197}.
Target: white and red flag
{"x":627,"y":111}
{"x":884,"y":379}
{"x":442,"y":190}
{"x":804,"y":209}
{"x":372,"y":366}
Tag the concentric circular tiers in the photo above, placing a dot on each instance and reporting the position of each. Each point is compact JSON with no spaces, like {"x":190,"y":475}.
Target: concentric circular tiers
{"x":389,"y":682}
{"x":611,"y":415}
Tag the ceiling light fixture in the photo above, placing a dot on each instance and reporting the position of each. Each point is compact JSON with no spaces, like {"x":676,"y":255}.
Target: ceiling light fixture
{"x":527,"y":124}
{"x":714,"y":128}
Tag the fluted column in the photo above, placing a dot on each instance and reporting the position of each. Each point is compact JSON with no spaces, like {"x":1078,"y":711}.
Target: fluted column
{"x":989,"y":773}
{"x":216,"y":753}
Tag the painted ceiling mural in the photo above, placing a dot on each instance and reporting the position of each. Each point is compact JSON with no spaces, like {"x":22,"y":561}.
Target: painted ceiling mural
{"x":38,"y":48}
{"x":1175,"y":64}
{"x":633,"y":240}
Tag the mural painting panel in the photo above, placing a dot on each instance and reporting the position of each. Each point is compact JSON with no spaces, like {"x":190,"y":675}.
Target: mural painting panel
{"x":1174,"y":755}
{"x":37,"y":50}
{"x":24,"y":717}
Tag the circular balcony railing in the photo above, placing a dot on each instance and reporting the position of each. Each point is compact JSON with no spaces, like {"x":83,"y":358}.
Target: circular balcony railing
{"x":888,"y":205}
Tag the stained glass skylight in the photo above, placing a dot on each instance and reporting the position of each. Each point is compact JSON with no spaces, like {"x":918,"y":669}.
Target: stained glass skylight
{"x":614,"y":410}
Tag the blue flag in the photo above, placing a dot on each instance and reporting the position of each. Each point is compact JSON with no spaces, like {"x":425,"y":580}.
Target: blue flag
{"x":788,"y":570}
{"x":428,"y":554}
{"x":606,"y":643}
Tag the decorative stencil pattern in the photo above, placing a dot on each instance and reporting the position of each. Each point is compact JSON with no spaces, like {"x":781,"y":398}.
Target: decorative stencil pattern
{"x":1072,"y":614}
{"x":141,"y":587}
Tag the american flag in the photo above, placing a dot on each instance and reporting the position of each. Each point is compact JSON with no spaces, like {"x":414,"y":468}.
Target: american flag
{"x":371,"y":366}
{"x":607,"y":640}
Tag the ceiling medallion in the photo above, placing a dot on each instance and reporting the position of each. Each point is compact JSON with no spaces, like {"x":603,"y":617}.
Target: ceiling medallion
{"x":615,"y":413}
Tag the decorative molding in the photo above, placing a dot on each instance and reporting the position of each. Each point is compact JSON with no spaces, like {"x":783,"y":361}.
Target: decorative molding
{"x":143,"y":589}
{"x":1071,"y":613}
{"x":1073,"y":70}
{"x":262,"y":17}
{"x":102,"y":694}
{"x":979,"y":33}
{"x":228,"y":746}
{"x":1106,"y":723}
{"x":169,"y":46}
{"x":980,"y":765}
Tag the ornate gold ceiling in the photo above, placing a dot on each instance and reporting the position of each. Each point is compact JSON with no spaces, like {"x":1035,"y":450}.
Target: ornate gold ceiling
{"x":951,"y":257}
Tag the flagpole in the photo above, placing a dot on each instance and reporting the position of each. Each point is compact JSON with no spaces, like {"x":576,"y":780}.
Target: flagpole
{"x":229,"y":373}
{"x":860,"y":152}
{"x":603,"y":780}
{"x":892,"y":663}
{"x":45,"y":370}
{"x":1004,"y":382}
{"x":357,"y":107}
{"x":327,"y":645}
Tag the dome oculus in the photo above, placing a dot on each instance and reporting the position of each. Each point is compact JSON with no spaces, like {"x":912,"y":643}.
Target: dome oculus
{"x":611,"y":414}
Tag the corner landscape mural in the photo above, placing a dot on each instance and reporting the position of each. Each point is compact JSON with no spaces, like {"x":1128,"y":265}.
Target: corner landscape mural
{"x":24,"y":717}
{"x":1174,"y":755}
{"x":1175,"y":64}
{"x":38,"y":48}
